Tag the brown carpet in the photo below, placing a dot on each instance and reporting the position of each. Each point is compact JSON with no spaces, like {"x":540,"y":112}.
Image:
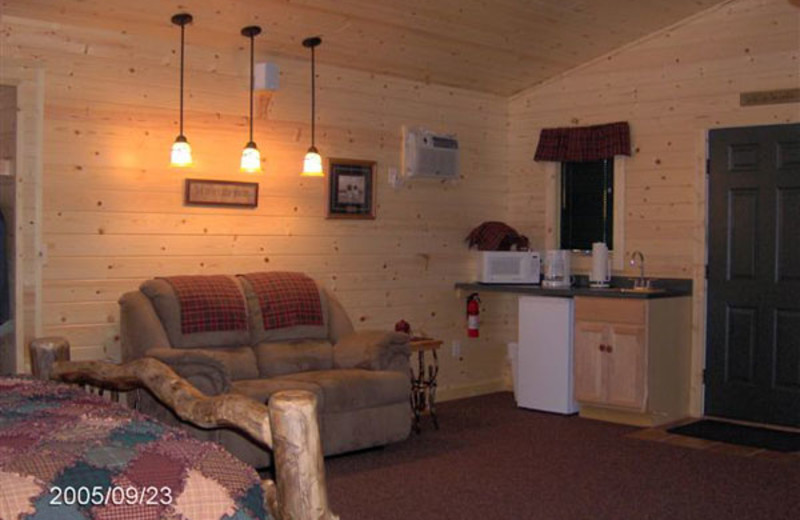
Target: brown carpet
{"x":491,"y":460}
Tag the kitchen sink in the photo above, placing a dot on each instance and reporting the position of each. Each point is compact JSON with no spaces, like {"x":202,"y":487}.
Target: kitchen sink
{"x":634,"y":290}
{"x":641,"y":290}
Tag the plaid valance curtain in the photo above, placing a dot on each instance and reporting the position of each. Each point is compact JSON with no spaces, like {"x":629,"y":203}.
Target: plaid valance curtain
{"x":584,"y":143}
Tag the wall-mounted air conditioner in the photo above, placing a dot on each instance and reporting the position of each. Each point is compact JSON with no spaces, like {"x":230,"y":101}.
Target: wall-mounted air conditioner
{"x":429,"y":155}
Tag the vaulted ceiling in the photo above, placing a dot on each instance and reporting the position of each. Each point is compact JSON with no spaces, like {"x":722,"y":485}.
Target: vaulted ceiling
{"x":496,"y":46}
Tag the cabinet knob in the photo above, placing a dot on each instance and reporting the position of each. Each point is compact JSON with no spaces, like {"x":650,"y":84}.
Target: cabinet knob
{"x":602,"y":348}
{"x":608,"y":348}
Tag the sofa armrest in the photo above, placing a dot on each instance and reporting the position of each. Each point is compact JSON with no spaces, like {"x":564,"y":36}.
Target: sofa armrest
{"x":373,"y":350}
{"x":209,"y":375}
{"x":140,"y":326}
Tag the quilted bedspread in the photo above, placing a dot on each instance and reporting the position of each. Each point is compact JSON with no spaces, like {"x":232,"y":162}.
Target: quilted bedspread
{"x":69,"y":455}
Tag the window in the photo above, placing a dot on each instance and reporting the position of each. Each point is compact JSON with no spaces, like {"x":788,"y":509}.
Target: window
{"x":587,"y":204}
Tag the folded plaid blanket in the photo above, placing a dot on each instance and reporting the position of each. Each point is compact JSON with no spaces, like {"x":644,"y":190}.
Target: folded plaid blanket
{"x":209,"y":303}
{"x":286,"y":299}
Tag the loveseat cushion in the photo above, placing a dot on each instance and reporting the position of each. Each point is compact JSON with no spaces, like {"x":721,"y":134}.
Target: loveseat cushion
{"x":286,"y":357}
{"x":354,"y":389}
{"x":281,"y":283}
{"x":165,"y":301}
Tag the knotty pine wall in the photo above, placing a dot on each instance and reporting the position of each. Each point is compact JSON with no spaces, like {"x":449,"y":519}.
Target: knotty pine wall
{"x":672,"y":87}
{"x":112,"y":208}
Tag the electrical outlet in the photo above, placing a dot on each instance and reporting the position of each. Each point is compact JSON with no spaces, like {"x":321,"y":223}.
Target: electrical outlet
{"x":456,"y":348}
{"x":6,"y":168}
{"x":395,"y":181}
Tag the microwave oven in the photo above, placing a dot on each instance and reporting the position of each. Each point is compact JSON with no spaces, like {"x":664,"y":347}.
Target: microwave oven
{"x":509,"y":267}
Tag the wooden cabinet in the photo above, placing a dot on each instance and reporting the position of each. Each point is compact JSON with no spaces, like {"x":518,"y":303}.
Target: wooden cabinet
{"x":632,"y":358}
{"x":610,"y":364}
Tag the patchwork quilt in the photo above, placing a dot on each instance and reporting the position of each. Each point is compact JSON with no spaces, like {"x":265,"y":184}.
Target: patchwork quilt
{"x":69,"y":455}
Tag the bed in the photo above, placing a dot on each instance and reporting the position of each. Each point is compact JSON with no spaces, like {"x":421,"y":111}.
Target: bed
{"x":67,"y":454}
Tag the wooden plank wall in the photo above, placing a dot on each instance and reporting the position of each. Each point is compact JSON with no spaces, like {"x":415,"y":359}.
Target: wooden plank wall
{"x":672,"y":87}
{"x":112,"y":208}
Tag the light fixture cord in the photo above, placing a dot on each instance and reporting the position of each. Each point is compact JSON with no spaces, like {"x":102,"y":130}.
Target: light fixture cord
{"x":183,"y":28}
{"x":252,"y":84}
{"x":313,"y":98}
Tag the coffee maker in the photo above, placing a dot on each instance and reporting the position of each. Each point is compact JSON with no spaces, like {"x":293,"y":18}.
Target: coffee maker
{"x":557,"y":269}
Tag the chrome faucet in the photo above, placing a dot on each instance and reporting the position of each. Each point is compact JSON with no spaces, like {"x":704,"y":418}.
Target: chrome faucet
{"x":640,"y":282}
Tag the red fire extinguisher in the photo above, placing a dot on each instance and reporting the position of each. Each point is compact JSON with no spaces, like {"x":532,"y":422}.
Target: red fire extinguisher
{"x":473,"y":310}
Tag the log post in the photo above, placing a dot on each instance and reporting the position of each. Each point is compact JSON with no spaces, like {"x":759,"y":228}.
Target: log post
{"x":300,"y":471}
{"x":45,"y":352}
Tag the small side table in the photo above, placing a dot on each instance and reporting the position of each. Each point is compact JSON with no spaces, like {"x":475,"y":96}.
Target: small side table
{"x":423,"y":382}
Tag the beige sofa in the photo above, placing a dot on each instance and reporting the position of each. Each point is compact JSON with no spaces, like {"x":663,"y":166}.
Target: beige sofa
{"x":360,"y":378}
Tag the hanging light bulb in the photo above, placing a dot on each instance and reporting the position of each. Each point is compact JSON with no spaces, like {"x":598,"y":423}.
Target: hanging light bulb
{"x":312,"y":164}
{"x":251,"y":157}
{"x":181,"y":155}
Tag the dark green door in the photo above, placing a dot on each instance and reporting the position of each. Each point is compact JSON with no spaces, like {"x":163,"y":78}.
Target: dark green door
{"x":753,"y":320}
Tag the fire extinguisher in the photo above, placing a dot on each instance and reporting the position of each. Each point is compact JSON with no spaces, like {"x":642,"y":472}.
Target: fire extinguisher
{"x":473,"y":310}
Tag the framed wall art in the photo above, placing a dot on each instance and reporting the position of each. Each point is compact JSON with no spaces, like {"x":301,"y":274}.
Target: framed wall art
{"x":201,"y":192}
{"x":351,"y":189}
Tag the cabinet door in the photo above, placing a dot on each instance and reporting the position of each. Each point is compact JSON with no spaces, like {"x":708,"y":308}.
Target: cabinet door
{"x":626,"y":367}
{"x":589,"y":345}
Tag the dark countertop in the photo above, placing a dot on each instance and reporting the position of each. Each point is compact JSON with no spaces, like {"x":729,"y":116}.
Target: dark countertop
{"x":621,"y":287}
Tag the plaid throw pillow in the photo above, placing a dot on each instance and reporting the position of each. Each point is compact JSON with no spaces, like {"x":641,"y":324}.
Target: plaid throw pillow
{"x":209,"y":303}
{"x":286,"y":299}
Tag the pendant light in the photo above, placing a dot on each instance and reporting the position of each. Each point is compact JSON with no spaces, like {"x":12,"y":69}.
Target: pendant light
{"x":251,"y":157}
{"x":181,"y":155}
{"x":312,"y":164}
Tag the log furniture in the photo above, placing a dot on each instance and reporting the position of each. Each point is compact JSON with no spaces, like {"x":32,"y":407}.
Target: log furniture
{"x":45,"y":352}
{"x":288,"y":426}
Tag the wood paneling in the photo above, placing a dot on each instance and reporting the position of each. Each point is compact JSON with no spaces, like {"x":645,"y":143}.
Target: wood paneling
{"x":672,"y":87}
{"x":500,"y":46}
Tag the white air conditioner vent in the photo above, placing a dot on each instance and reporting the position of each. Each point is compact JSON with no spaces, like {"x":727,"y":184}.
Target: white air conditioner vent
{"x":429,"y":155}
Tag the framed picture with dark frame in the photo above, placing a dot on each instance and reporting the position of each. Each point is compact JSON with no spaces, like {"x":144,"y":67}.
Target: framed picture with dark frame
{"x":351,"y":189}
{"x":201,"y":192}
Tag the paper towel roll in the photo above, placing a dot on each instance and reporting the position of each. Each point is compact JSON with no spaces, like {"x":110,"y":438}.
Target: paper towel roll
{"x":601,"y":272}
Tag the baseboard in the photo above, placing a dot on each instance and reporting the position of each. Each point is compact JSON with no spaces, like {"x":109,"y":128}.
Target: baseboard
{"x":471,"y":390}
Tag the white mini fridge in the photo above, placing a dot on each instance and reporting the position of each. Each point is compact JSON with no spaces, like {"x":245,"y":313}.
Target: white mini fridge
{"x":544,"y":364}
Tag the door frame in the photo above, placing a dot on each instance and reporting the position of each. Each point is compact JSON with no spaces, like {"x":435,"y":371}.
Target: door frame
{"x":699,"y":282}
{"x":28,"y":78}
